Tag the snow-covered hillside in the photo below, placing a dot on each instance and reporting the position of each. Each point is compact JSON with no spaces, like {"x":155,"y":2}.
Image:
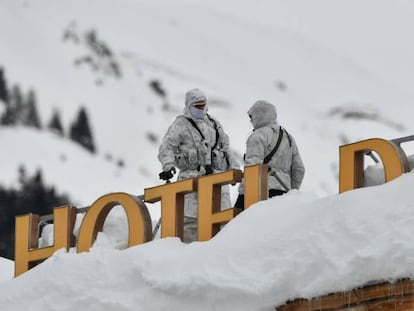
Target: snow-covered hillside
{"x":324,"y":98}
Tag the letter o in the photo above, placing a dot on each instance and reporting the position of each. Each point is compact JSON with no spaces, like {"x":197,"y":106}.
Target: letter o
{"x":139,"y":220}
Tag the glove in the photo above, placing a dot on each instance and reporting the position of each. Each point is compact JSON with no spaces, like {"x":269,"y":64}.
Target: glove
{"x":168,"y":172}
{"x":240,"y":202}
{"x":209,"y":169}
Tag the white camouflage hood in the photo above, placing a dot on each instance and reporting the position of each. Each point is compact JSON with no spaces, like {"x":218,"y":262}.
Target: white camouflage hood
{"x":191,"y":97}
{"x":262,"y":113}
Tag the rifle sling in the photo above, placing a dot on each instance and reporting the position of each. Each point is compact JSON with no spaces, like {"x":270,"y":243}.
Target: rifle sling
{"x":201,"y":134}
{"x":279,"y":140}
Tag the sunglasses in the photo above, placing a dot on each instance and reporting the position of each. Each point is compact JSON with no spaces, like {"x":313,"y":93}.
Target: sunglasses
{"x":199,"y":106}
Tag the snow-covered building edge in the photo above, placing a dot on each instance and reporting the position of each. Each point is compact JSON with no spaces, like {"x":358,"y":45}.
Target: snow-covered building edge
{"x":385,"y":296}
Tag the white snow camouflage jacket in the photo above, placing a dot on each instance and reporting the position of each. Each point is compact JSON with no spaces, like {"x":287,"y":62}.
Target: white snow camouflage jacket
{"x":184,"y":146}
{"x":286,"y":164}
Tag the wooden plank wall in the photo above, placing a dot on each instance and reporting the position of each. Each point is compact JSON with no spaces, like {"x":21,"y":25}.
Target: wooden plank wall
{"x":397,"y":296}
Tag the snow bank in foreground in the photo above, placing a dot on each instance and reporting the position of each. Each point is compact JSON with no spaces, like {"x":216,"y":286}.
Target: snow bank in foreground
{"x":6,"y":269}
{"x":293,"y":246}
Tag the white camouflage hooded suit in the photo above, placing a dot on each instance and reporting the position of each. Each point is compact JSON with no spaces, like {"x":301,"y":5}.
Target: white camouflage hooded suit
{"x":193,"y":154}
{"x":286,"y":167}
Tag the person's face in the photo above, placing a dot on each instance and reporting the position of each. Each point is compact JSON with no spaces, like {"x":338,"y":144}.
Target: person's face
{"x":253,"y":119}
{"x":198,"y":110}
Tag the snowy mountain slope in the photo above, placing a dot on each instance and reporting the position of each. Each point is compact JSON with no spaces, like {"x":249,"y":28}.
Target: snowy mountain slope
{"x":234,"y":56}
{"x":64,"y":164}
{"x":372,"y":33}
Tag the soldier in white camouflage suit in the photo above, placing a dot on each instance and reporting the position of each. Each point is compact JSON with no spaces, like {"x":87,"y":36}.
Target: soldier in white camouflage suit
{"x":271,"y":144}
{"x":196,"y":144}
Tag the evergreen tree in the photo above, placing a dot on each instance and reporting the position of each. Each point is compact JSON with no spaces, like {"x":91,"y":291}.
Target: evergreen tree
{"x":4,"y":94}
{"x":55,"y":125}
{"x":80,"y":131}
{"x":31,"y":196}
{"x":16,"y":104}
{"x":14,"y":108}
{"x":7,"y":117}
{"x":31,"y":116}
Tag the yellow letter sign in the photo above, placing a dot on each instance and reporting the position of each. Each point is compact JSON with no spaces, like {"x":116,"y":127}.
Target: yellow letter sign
{"x":210,"y":218}
{"x":27,"y":253}
{"x":351,"y":161}
{"x":139,"y":220}
{"x":172,"y":205}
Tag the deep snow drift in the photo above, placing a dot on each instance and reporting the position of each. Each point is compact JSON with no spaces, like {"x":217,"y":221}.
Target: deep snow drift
{"x":288,"y":247}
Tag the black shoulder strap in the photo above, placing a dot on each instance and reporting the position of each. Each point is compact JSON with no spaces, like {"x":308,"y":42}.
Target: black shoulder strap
{"x":270,"y":155}
{"x":288,"y":136}
{"x":202,"y":136}
{"x":196,"y":127}
{"x":217,"y":131}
